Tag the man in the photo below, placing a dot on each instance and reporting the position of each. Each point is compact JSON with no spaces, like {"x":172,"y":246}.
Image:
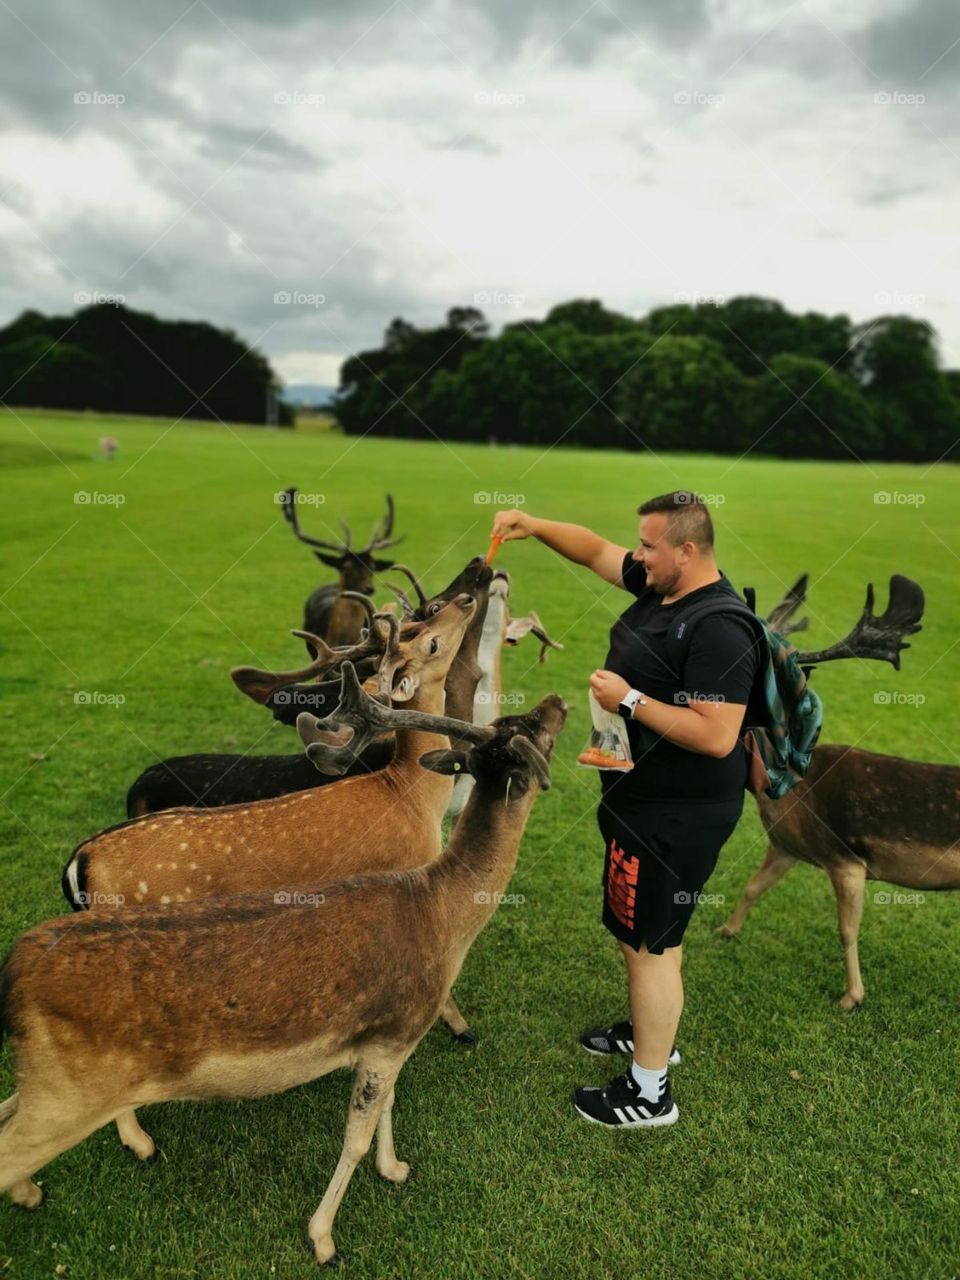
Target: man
{"x":665,"y":820}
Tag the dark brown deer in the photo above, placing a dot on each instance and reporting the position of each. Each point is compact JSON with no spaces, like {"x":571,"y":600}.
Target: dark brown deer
{"x":328,"y":612}
{"x":859,"y":815}
{"x":244,"y":996}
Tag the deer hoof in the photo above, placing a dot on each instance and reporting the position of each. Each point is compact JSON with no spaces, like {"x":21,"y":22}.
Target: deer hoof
{"x":466,"y":1037}
{"x":32,"y":1198}
{"x":850,"y":1003}
{"x":399,"y":1172}
{"x":326,"y":1254}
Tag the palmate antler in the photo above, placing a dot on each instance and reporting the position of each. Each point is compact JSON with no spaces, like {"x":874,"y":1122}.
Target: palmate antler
{"x":380,"y":642}
{"x":517,"y":628}
{"x":779,"y":617}
{"x":878,"y":638}
{"x":335,"y":741}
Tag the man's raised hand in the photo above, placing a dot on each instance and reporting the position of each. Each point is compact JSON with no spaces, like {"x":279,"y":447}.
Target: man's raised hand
{"x":508,"y":526}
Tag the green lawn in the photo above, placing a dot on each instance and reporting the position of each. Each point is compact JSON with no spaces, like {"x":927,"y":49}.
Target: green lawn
{"x":812,"y":1142}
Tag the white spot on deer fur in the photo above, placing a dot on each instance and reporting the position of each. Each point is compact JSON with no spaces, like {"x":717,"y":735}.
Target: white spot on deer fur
{"x":209,"y":877}
{"x":142,"y":886}
{"x":193,"y":866}
{"x":183,"y":845}
{"x":165,"y":898}
{"x":173,"y":866}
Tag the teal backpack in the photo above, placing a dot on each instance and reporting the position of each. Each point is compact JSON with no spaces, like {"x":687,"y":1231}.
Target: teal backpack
{"x":783,"y":716}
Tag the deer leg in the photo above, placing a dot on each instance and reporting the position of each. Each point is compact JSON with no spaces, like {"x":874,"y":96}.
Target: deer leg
{"x":773,"y":868}
{"x":849,"y":883}
{"x":33,"y":1136}
{"x":8,"y":1108}
{"x":388,"y":1166}
{"x":132,"y":1136}
{"x":457,"y":1023}
{"x":372,"y":1088}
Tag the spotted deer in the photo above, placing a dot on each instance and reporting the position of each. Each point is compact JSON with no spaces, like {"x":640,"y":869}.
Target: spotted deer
{"x":254,"y":994}
{"x":856,"y":814}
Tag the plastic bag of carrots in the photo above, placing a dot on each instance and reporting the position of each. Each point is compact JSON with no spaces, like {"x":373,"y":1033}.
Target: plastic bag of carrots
{"x":609,"y":746}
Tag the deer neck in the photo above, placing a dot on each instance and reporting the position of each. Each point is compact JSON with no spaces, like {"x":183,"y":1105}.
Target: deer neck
{"x":465,"y":672}
{"x":413,"y":743}
{"x":476,"y":866}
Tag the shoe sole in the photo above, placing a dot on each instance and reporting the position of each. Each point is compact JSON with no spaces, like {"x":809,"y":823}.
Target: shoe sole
{"x":673,"y":1061}
{"x":655,"y":1122}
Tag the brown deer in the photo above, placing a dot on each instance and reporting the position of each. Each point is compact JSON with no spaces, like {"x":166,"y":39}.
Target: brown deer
{"x":254,"y":994}
{"x":847,"y":814}
{"x":328,"y":613}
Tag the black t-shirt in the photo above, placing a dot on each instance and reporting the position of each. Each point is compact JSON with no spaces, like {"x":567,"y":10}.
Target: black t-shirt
{"x":721,"y":663}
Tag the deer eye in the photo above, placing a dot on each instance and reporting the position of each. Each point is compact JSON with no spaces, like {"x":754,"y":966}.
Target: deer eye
{"x":434,"y":645}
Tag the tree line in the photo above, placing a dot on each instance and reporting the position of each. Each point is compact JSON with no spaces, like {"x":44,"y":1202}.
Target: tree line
{"x":728,"y":377}
{"x":110,"y":358}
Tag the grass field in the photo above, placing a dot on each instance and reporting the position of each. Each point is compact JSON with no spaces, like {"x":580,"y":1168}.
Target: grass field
{"x":812,"y":1142}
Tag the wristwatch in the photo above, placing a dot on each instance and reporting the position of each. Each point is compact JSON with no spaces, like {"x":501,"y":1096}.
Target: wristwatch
{"x":630,"y":700}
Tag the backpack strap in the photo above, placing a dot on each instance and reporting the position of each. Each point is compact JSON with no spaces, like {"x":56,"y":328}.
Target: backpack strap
{"x":681,"y":632}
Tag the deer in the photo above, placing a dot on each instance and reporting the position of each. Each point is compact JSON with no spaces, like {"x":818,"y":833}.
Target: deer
{"x":254,"y":994}
{"x":214,"y":780}
{"x":330,"y":612}
{"x":847,"y":814}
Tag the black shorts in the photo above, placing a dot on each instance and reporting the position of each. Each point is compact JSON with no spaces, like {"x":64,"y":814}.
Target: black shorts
{"x":657,"y":858}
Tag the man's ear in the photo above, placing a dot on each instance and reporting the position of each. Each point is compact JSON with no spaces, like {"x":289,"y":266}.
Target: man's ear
{"x":446,"y":761}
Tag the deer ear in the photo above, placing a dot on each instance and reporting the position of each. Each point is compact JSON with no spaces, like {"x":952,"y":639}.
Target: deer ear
{"x":450,"y":762}
{"x":402,"y":690}
{"x":332,"y":562}
{"x":381,"y":566}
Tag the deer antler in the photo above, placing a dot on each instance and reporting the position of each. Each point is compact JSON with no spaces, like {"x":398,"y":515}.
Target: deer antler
{"x":778,"y":619}
{"x":517,"y":628}
{"x":879,"y":638}
{"x":289,"y":509}
{"x":421,"y":598}
{"x":333,"y":750}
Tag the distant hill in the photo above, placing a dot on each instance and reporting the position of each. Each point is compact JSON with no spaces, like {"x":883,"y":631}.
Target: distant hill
{"x":309,"y":395}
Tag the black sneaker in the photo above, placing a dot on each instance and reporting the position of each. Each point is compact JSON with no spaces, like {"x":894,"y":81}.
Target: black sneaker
{"x":620,"y":1105}
{"x":617,"y":1039}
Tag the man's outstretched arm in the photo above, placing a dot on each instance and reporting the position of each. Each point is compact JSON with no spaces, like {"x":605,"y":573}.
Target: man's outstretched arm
{"x":572,"y":541}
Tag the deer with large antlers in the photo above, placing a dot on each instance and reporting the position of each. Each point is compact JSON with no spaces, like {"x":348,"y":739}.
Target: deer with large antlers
{"x":213,"y":780}
{"x":251,"y":995}
{"x":330,"y":612}
{"x":848,"y":814}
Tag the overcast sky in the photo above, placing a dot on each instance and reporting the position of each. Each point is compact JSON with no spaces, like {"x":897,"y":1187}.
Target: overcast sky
{"x":372,"y":159}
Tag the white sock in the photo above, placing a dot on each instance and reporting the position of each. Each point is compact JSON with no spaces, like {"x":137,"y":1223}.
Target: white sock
{"x":652,"y":1083}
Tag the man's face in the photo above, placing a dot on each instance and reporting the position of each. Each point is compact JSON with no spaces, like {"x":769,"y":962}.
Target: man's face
{"x":657,"y":554}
